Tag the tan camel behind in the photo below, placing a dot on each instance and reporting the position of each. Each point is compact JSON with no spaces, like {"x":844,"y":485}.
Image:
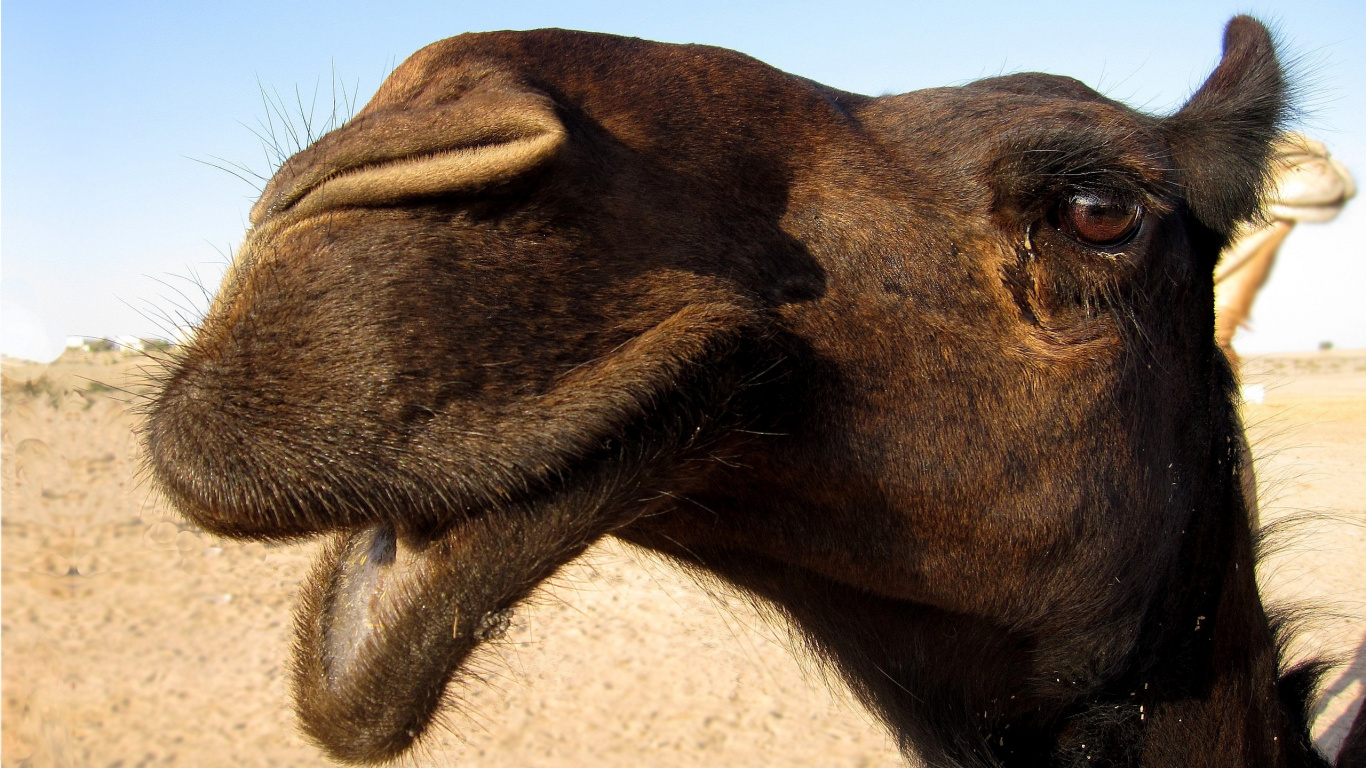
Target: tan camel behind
{"x":1310,"y":186}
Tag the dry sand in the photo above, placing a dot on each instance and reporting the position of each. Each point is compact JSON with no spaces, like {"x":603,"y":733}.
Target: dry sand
{"x":129,"y":639}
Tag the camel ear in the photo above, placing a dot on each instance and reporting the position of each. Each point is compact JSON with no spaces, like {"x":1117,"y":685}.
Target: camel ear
{"x":1221,"y":139}
{"x":494,"y":132}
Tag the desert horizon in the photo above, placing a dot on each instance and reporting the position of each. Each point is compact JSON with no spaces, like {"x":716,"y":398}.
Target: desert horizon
{"x":132,"y":638}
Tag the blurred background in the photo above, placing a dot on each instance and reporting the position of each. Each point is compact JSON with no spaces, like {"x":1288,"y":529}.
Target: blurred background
{"x":115,"y":114}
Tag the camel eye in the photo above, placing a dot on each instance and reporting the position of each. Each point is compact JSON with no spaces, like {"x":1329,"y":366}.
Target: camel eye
{"x":1095,"y":220}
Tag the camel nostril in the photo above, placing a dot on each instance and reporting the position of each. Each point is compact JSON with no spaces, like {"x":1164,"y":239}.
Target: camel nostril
{"x":489,"y":136}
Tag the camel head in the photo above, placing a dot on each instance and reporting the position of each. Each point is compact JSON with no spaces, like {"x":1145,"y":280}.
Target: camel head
{"x":892,"y":364}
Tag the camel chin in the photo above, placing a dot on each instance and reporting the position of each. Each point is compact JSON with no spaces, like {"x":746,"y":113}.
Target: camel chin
{"x":370,"y":596}
{"x":387,"y":619}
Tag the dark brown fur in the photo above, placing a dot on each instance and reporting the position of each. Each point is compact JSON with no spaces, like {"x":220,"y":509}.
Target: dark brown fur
{"x":829,"y":349}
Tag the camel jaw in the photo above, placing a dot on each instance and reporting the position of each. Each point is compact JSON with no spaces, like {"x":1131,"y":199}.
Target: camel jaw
{"x":386,"y":622}
{"x":367,"y":594}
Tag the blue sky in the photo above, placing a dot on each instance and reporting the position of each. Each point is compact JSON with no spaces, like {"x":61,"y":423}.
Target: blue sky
{"x":107,"y":108}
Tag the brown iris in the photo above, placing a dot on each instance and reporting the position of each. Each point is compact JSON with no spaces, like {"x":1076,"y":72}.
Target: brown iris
{"x":1100,"y":221}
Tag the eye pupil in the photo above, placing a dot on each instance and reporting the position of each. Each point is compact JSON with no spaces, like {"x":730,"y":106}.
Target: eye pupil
{"x":1097,"y":221}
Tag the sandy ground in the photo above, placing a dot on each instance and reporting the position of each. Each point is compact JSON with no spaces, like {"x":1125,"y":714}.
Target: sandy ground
{"x":129,"y":639}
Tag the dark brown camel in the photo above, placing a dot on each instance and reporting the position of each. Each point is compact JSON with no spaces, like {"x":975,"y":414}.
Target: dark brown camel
{"x":934,"y":375}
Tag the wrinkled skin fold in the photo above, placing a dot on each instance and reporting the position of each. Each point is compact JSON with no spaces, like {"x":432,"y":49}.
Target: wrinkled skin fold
{"x":933,"y":375}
